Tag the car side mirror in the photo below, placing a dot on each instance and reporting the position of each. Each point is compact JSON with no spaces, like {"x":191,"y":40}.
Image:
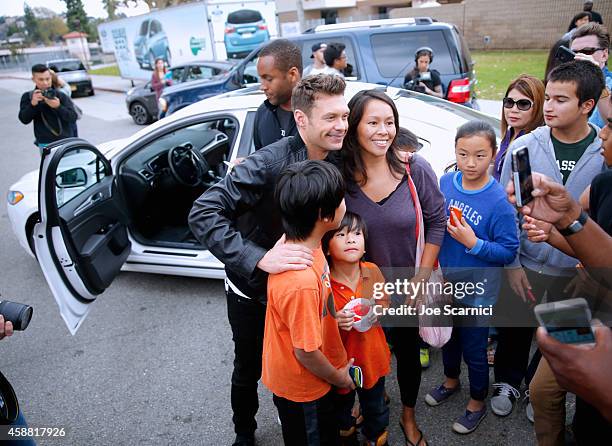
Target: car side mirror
{"x":75,"y":177}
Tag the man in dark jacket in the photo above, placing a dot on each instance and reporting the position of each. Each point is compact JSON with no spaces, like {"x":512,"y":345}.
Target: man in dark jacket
{"x":238,"y":222}
{"x":279,"y":68}
{"x":51,"y":110}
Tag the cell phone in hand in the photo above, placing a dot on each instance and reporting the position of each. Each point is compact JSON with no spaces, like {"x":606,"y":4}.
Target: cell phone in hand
{"x":521,"y":171}
{"x":564,"y":54}
{"x":356,"y":375}
{"x":568,"y":321}
{"x":458,"y":213}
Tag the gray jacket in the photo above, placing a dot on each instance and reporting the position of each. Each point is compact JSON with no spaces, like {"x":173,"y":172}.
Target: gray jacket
{"x":542,"y":257}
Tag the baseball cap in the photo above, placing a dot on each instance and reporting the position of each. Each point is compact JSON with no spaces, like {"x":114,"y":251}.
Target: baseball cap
{"x":317,"y":47}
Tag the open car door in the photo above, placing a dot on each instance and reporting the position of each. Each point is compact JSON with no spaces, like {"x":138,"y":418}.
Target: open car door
{"x":81,"y":240}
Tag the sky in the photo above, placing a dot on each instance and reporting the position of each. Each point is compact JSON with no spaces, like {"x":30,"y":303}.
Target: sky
{"x":93,"y":8}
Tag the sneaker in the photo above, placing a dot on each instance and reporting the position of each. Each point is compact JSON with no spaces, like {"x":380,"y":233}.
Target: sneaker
{"x":424,"y":358}
{"x":529,"y":408}
{"x":503,"y":399}
{"x":244,"y":440}
{"x":439,"y":395}
{"x":470,"y":421}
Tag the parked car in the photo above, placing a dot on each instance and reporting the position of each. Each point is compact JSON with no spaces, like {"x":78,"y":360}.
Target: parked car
{"x":379,"y":52}
{"x":151,"y":43}
{"x":131,"y":209}
{"x":75,"y":74}
{"x":141,"y":101}
{"x":245,"y":30}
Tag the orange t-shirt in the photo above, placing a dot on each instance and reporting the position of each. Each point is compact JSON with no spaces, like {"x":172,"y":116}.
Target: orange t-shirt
{"x":369,"y":348}
{"x":300,"y":314}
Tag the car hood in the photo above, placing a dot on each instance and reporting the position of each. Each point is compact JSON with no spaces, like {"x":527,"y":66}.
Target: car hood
{"x":74,"y":76}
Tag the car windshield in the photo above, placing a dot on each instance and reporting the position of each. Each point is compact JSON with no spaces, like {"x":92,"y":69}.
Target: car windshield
{"x":144,"y":28}
{"x":67,"y":65}
{"x":244,"y":16}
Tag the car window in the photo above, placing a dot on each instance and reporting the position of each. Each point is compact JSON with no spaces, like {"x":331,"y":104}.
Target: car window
{"x":177,"y":74}
{"x":66,"y":65}
{"x":250,"y":75}
{"x":350,"y":53}
{"x":199,"y":72}
{"x":244,"y":16}
{"x":394,"y":52}
{"x":78,"y":170}
{"x":155,"y":27}
{"x":143,"y":28}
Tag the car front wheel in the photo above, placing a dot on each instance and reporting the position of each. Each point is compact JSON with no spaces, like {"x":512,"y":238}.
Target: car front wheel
{"x":139,"y":113}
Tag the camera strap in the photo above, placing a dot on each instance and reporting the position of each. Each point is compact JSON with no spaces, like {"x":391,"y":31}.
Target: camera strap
{"x":51,"y":129}
{"x":9,"y":406}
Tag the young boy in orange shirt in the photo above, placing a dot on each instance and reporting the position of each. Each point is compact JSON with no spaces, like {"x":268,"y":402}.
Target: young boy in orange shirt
{"x":353,"y":282}
{"x":303,"y":355}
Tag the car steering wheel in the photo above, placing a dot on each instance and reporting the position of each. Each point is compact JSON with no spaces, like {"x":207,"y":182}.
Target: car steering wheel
{"x":187,"y":165}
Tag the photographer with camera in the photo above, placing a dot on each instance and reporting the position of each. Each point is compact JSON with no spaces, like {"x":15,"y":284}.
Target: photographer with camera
{"x":421,"y":78}
{"x":51,"y":110}
{"x":13,"y":317}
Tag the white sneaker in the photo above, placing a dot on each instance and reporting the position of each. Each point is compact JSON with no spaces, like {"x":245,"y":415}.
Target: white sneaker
{"x":503,"y":399}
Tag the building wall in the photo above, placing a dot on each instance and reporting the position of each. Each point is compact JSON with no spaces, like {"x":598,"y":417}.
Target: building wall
{"x":509,"y":24}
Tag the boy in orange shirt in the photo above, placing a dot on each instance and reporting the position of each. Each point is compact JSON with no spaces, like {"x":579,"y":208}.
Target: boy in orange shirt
{"x":303,"y":355}
{"x":363,"y":338}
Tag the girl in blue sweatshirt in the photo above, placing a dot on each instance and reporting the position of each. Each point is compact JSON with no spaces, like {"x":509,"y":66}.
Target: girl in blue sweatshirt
{"x":475,"y":249}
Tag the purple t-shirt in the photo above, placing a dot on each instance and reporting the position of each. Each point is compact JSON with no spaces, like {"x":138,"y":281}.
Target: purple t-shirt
{"x":392,"y":225}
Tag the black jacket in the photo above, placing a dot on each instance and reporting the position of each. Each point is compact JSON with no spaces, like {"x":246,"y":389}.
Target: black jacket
{"x":267,"y":126}
{"x":58,"y":121}
{"x":237,"y":218}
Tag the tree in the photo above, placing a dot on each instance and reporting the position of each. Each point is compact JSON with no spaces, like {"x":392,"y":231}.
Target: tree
{"x":111,"y":8}
{"x":52,"y":30}
{"x":159,"y":4}
{"x":31,"y":24}
{"x":76,"y":18}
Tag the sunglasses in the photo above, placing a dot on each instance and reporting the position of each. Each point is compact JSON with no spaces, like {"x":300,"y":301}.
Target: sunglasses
{"x":521,"y":104}
{"x":588,"y":51}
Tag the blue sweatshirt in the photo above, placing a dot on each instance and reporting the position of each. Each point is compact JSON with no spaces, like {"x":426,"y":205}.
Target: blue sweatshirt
{"x":494,"y":222}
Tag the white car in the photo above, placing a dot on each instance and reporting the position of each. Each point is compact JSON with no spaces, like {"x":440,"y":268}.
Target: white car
{"x":124,"y":205}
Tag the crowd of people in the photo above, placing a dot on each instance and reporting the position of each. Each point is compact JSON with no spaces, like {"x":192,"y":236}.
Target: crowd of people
{"x":331,"y":203}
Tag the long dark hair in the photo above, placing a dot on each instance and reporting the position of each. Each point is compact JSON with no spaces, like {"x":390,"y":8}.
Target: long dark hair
{"x":351,"y":150}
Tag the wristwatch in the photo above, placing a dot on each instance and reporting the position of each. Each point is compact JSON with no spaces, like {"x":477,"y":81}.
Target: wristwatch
{"x":576,"y":225}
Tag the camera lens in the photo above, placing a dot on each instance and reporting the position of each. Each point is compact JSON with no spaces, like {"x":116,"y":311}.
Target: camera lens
{"x":18,"y":314}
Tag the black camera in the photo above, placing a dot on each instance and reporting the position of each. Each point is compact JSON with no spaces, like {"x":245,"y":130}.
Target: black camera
{"x":413,"y":85}
{"x":49,"y":93}
{"x":18,"y":314}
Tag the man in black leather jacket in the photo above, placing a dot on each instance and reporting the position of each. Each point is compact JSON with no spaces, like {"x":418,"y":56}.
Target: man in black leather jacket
{"x":238,"y":222}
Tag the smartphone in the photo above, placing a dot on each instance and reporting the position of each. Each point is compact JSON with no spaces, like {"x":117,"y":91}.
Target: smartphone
{"x":568,"y":321}
{"x":454,"y":210}
{"x":521,"y":170}
{"x":356,"y":375}
{"x":564,"y":54}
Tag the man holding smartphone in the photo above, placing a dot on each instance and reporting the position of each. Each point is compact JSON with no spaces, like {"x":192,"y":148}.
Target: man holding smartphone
{"x":566,"y":149}
{"x":51,"y":110}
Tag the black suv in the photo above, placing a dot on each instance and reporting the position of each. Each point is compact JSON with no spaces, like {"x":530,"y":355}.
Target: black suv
{"x":379,"y":52}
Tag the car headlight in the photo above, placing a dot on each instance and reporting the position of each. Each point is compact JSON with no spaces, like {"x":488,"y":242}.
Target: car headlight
{"x":163,"y":104}
{"x":14,"y":197}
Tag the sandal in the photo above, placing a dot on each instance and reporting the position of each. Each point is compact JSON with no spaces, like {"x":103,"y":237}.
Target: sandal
{"x":410,"y":443}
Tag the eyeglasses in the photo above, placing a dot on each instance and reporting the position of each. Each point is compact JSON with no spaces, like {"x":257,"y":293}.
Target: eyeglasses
{"x":521,"y":104}
{"x":588,"y":51}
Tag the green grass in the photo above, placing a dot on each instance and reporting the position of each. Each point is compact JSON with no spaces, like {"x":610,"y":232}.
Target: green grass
{"x":495,"y":69}
{"x":113,"y":70}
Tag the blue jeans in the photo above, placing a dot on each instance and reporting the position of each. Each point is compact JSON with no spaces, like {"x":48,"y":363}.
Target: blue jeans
{"x":471,"y":343}
{"x":373,"y":408}
{"x":24,"y":441}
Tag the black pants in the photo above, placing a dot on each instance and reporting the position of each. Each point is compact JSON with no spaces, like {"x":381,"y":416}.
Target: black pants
{"x":406,"y":347}
{"x":589,"y":426}
{"x":247,"y":318}
{"x":308,"y":424}
{"x":512,"y":364}
{"x":375,"y":411}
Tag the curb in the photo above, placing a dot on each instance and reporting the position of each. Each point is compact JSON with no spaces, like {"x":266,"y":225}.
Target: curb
{"x":111,"y":90}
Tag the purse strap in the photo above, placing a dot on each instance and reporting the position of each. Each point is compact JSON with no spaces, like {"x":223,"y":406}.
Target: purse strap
{"x":420,"y":233}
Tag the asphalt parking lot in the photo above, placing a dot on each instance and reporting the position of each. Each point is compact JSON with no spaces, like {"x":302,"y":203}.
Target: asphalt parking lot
{"x":152,"y":362}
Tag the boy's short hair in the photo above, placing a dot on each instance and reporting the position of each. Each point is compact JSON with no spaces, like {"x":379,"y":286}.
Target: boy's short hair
{"x":39,"y":68}
{"x":286,"y":54}
{"x":305,"y":192}
{"x":407,"y":141}
{"x":587,"y":76}
{"x":351,"y":221}
{"x":306,"y":92}
{"x":594,"y":29}
{"x":333,"y":52}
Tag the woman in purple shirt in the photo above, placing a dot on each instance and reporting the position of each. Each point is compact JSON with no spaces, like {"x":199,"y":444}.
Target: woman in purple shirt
{"x":378,"y":191}
{"x":523,"y":111}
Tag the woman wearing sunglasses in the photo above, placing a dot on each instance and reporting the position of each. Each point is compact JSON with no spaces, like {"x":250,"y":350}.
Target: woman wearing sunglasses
{"x":522,"y":112}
